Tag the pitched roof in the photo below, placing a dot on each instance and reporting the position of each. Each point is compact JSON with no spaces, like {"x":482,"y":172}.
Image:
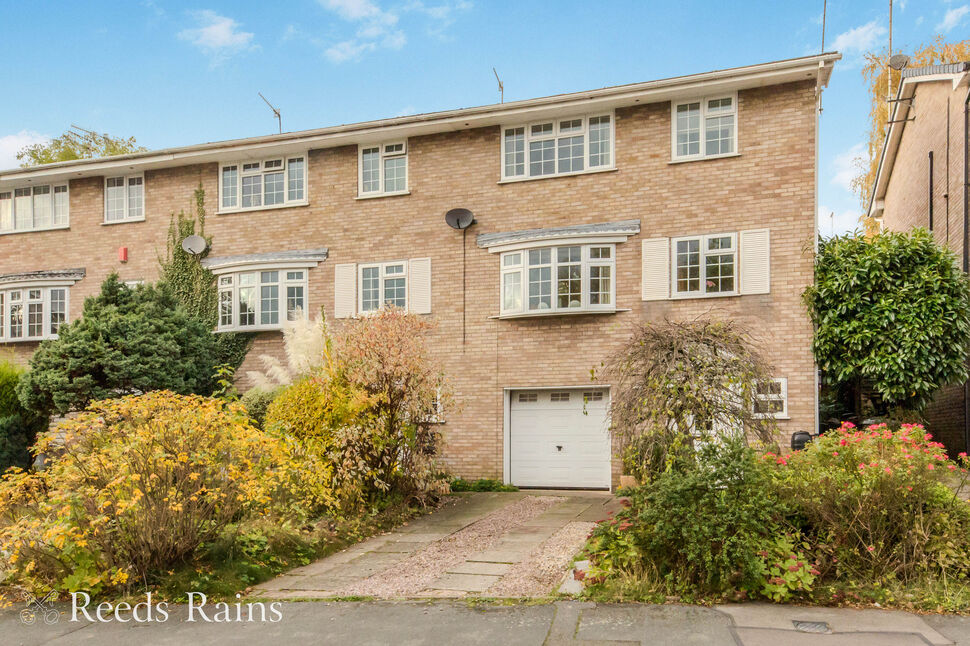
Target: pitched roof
{"x":624,"y":227}
{"x":308,"y":256}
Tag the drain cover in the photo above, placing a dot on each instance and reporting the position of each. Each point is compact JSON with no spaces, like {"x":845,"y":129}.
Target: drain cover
{"x":812,"y":627}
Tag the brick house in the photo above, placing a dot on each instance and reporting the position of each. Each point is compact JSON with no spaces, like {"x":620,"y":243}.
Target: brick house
{"x":593,"y":211}
{"x":922,"y":181}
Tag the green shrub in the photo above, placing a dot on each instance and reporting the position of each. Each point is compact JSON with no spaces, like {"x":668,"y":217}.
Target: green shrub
{"x":876,"y":504}
{"x":706,"y":527}
{"x":482,"y":484}
{"x":256,"y":401}
{"x":18,"y":426}
{"x":127,"y":341}
{"x":138,"y":484}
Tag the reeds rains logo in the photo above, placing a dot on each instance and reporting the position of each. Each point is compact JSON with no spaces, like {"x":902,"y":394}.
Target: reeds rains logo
{"x":40,"y":607}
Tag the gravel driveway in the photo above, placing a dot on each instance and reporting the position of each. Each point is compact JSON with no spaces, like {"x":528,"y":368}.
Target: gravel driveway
{"x":485,"y":544}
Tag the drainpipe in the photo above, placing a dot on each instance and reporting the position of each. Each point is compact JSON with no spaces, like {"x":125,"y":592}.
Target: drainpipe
{"x":930,"y":184}
{"x":966,"y":252}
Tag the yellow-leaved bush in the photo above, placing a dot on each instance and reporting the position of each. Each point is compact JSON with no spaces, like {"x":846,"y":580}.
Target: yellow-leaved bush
{"x":136,"y":485}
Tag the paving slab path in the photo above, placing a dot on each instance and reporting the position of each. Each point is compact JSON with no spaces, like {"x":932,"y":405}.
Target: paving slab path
{"x":464,"y":549}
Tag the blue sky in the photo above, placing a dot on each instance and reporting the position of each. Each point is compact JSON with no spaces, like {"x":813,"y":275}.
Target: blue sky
{"x":175,"y":73}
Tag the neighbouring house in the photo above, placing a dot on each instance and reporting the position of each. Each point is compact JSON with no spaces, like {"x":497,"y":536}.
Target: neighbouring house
{"x":922,"y":181}
{"x":593,"y":211}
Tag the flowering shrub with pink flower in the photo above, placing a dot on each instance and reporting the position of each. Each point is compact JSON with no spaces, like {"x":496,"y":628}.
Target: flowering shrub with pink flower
{"x":878,"y":503}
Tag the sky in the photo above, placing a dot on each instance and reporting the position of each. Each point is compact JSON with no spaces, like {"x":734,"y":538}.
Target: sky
{"x":187,"y":72}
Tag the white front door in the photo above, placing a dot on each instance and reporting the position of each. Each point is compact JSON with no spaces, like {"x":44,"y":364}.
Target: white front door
{"x":559,"y":438}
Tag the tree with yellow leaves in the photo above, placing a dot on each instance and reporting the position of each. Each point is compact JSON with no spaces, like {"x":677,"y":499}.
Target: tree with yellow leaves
{"x":875,"y":71}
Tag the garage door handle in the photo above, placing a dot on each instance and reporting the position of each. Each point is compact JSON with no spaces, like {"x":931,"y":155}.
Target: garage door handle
{"x":559,"y":447}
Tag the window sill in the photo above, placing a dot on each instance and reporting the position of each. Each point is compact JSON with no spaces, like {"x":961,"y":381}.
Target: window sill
{"x":125,"y":221}
{"x":250,"y":328}
{"x":687,"y":297}
{"x":545,"y":313}
{"x":286,"y":205}
{"x":781,"y":417}
{"x":374,"y":196}
{"x":589,"y":171}
{"x":684,"y":160}
{"x":57,"y":228}
{"x":32,"y":339}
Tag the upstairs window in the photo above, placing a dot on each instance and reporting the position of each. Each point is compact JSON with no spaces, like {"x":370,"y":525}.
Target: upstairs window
{"x":705,"y":128}
{"x":572,"y":278}
{"x":124,"y":198}
{"x":34,"y":208}
{"x":268,"y":183}
{"x":557,"y":147}
{"x":705,"y":265}
{"x":260,"y":299}
{"x":383,"y":169}
{"x":32,"y":313}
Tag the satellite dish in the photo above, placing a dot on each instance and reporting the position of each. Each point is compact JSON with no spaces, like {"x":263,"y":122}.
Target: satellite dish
{"x":459,"y":218}
{"x":898,"y":61}
{"x":194,"y":245}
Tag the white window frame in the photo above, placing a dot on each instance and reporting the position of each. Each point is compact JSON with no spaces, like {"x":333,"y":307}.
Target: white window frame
{"x":586,"y":262}
{"x":555,"y":135}
{"x":282,"y":282}
{"x":702,"y":150}
{"x":782,"y":397}
{"x":262,"y":171}
{"x":24,"y":290}
{"x":704,"y":252}
{"x":54,"y":224}
{"x":383,"y":276}
{"x":383,"y":154}
{"x":126,"y":185}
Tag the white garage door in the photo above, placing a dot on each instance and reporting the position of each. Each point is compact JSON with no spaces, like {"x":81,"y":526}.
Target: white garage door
{"x":559,"y":438}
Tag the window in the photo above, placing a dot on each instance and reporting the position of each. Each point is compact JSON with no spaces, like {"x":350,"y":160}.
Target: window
{"x":771,"y":398}
{"x":32,"y":313}
{"x":383,"y":169}
{"x":705,"y":128}
{"x":558,"y":279}
{"x":268,"y":183}
{"x":559,"y":397}
{"x":528,"y":398}
{"x":705,"y":265}
{"x":593,"y":396}
{"x":382,"y":285}
{"x":260,"y":298}
{"x":34,"y":208}
{"x":560,"y":147}
{"x":124,"y":198}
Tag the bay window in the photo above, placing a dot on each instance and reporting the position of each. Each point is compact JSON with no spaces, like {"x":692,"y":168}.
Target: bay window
{"x":568,"y":278}
{"x":704,"y":128}
{"x":267,"y":183}
{"x":124,"y":198}
{"x":34,"y":208}
{"x":383,"y":169}
{"x":32,"y":313}
{"x":261,"y":299}
{"x":557,"y":147}
{"x":705,"y":265}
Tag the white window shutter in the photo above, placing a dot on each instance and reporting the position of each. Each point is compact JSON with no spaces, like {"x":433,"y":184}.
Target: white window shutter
{"x":755,"y":261}
{"x":345,"y":291}
{"x":419,"y":285}
{"x":655,"y":269}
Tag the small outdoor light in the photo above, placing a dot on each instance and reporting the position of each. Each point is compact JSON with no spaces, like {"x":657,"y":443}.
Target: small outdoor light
{"x":799,"y":439}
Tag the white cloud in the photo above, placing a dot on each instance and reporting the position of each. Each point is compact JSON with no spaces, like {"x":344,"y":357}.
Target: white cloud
{"x":919,"y":21}
{"x":837,"y":221}
{"x":845,"y":166}
{"x":378,"y":28}
{"x":10,"y":145}
{"x":859,"y":40}
{"x":217,"y":36}
{"x":953,"y":17}
{"x":902,"y":5}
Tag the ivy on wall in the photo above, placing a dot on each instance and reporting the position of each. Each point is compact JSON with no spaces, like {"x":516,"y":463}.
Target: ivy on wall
{"x":193,"y":285}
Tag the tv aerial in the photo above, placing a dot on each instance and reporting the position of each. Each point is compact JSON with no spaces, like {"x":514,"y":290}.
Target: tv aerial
{"x":276,"y":112}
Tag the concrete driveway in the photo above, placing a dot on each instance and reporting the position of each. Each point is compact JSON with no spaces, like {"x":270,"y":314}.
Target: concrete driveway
{"x":482,"y":544}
